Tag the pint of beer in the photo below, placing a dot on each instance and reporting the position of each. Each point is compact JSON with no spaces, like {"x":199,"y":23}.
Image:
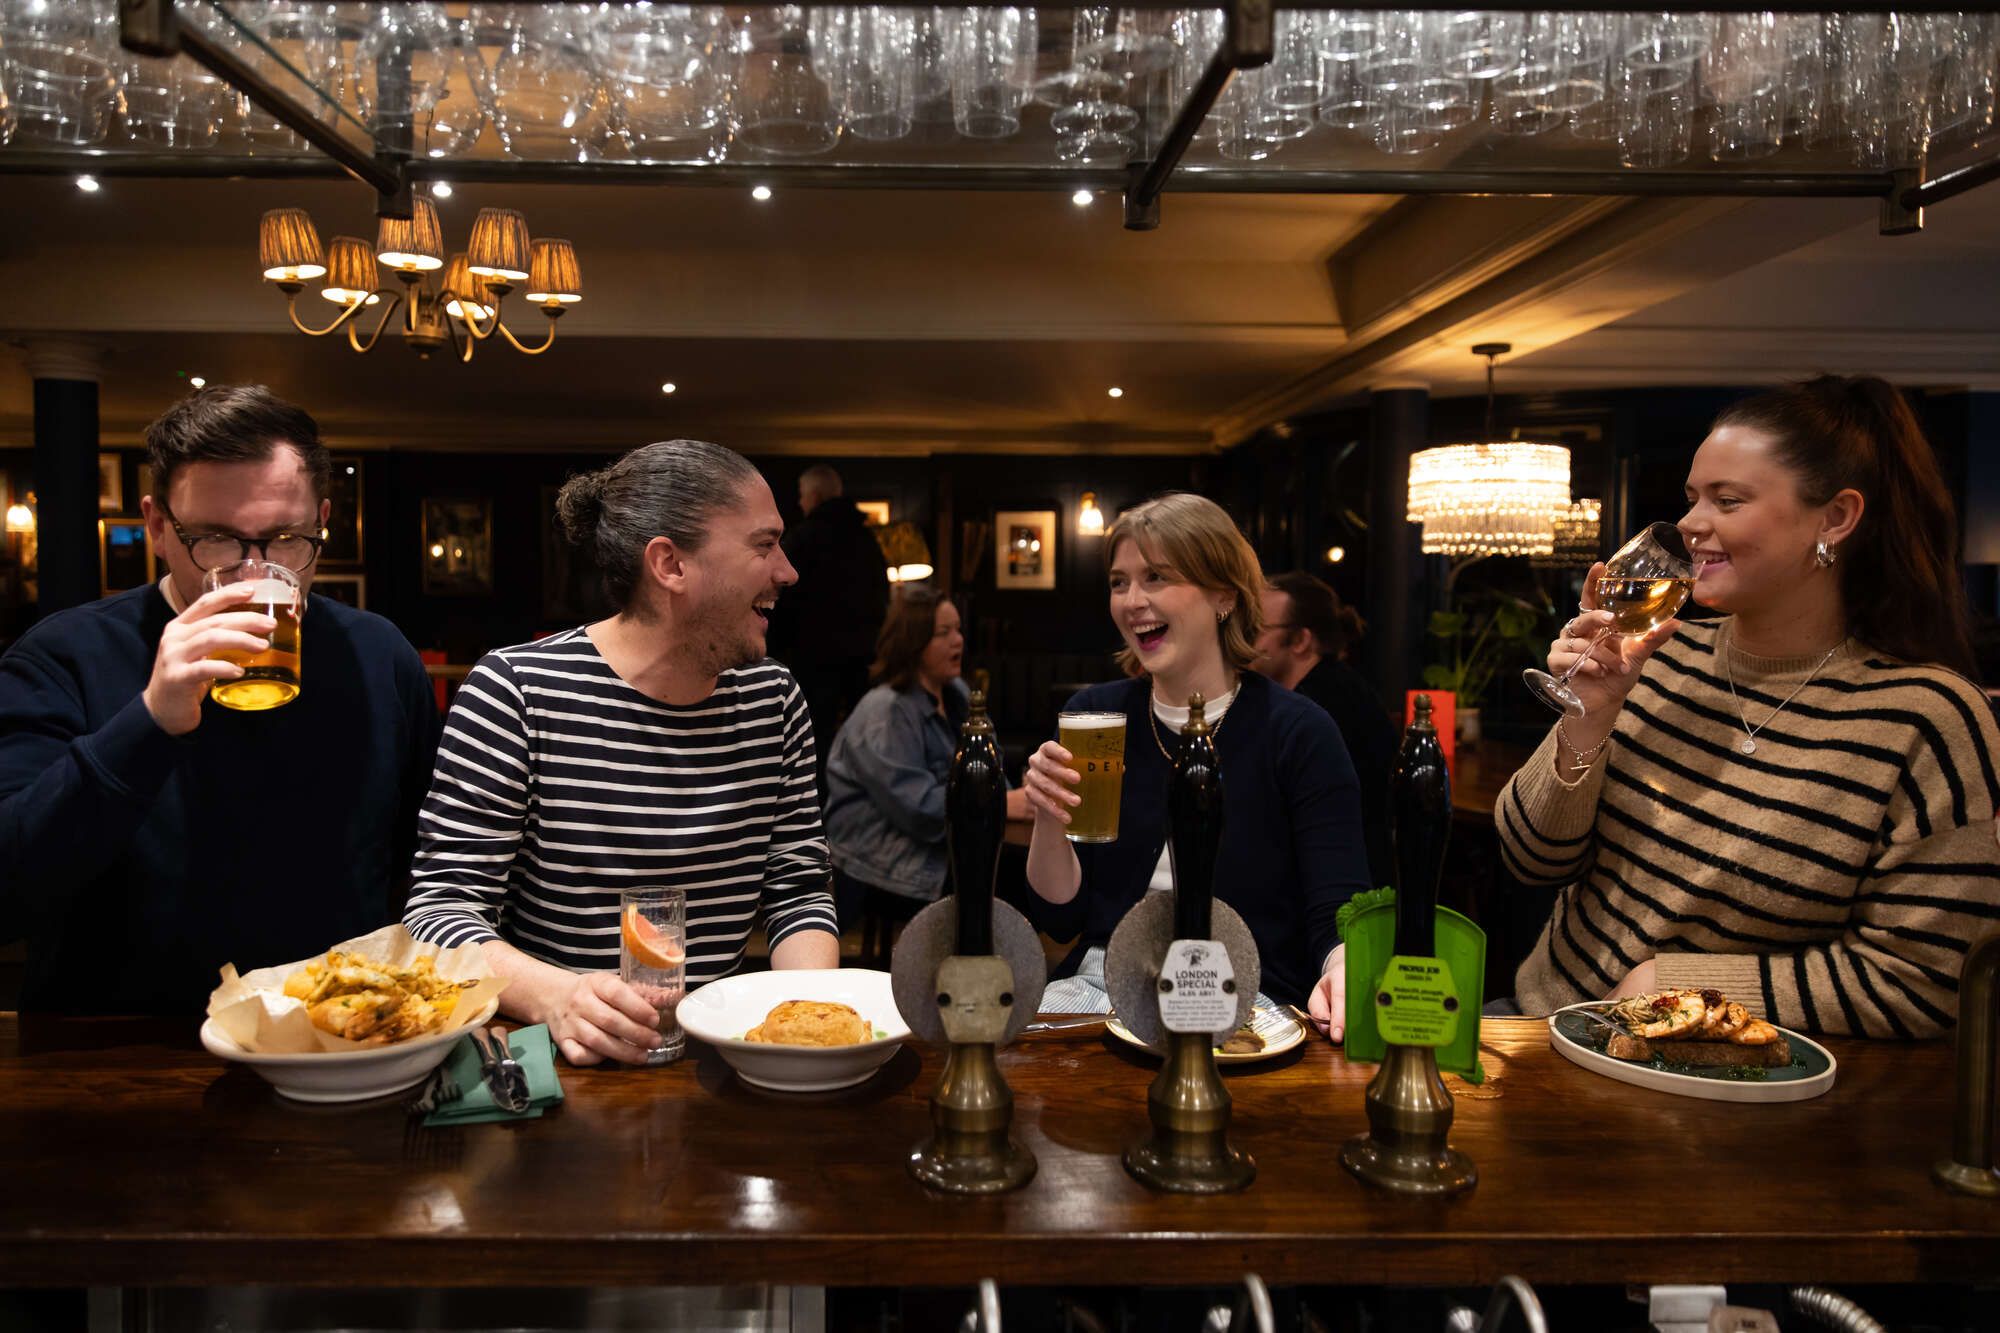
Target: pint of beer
{"x":270,"y":677}
{"x":1096,"y":742}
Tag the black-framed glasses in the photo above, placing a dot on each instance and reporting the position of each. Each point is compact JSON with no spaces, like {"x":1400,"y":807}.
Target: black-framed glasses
{"x":296,"y":551}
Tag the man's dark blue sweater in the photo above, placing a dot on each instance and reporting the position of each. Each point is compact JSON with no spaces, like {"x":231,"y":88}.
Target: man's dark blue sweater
{"x":136,"y":863}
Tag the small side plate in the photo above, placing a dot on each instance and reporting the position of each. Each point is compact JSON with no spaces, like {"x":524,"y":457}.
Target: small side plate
{"x":1581,"y":1042}
{"x":1277,"y":1025}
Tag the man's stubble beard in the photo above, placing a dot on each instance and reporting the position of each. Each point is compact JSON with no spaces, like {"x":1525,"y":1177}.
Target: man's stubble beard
{"x":715,"y":645}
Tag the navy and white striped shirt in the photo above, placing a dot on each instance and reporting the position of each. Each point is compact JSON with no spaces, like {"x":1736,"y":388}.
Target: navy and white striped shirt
{"x":557,"y":783}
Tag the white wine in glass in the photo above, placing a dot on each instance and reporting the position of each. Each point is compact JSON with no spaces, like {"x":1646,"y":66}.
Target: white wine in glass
{"x":1645,"y":583}
{"x":1639,"y":606}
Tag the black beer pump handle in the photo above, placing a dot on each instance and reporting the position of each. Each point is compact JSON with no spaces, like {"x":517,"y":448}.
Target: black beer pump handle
{"x":1194,"y":811}
{"x":975,"y":812}
{"x":1420,"y":802}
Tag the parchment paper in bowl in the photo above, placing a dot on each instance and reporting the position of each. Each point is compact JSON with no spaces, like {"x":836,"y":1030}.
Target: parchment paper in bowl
{"x":254,"y":1012}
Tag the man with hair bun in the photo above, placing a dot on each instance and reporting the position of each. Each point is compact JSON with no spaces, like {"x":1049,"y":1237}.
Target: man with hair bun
{"x":144,"y":824}
{"x":659,"y":746}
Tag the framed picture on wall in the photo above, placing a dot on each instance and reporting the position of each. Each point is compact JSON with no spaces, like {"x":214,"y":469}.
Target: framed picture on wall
{"x":110,"y":484}
{"x":458,"y":547}
{"x":349,"y":589}
{"x":124,"y":560}
{"x":343,"y":525}
{"x":1024,"y":549}
{"x":875,"y":512}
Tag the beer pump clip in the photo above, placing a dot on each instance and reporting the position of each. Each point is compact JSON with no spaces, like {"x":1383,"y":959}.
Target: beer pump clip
{"x":968,"y":972}
{"x":1451,"y":1021}
{"x":1417,"y":1004}
{"x":1182,"y":971}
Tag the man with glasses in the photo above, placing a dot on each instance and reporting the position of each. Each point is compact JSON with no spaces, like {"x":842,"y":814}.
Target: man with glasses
{"x":150,"y":835}
{"x":1304,"y":646}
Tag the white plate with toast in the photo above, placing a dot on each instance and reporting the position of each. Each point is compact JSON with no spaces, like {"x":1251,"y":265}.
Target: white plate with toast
{"x":1272,"y":1030}
{"x":1580,"y":1040}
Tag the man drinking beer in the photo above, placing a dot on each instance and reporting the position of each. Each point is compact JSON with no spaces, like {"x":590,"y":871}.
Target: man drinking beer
{"x":150,"y":834}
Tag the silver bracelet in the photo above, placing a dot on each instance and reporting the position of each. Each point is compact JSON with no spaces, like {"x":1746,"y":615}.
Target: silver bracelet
{"x":1583,"y":760}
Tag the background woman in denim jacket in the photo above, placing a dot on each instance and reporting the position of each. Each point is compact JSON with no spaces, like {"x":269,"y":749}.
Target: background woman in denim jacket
{"x":886,"y":774}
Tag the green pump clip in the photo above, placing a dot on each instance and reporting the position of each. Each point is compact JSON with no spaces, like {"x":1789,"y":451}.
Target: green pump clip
{"x":1367,"y":925}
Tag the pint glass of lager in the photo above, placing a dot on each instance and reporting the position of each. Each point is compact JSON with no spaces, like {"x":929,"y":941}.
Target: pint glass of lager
{"x":1096,"y":742}
{"x":270,"y":677}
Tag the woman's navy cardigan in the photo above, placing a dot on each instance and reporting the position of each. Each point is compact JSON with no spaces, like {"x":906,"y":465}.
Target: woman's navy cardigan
{"x":1292,"y":845}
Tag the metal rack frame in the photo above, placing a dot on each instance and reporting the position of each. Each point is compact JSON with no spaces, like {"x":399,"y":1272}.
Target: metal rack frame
{"x":150,"y":27}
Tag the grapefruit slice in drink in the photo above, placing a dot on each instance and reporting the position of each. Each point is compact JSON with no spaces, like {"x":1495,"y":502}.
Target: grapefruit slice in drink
{"x":648,"y":944}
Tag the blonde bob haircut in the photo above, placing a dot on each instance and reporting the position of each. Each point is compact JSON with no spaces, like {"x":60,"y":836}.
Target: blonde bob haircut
{"x":1191,"y":539}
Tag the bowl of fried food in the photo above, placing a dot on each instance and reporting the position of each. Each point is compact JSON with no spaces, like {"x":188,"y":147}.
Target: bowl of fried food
{"x":368,"y":1018}
{"x":799,"y":1031}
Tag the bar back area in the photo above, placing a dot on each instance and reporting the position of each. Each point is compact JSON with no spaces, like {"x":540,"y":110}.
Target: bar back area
{"x":877,"y":668}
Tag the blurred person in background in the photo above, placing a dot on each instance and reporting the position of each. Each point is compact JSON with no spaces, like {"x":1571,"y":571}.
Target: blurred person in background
{"x":824,"y":628}
{"x":1308,"y":635}
{"x":886,"y":775}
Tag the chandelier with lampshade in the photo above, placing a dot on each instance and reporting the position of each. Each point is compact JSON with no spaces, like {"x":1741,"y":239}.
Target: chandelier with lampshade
{"x":461,"y":305}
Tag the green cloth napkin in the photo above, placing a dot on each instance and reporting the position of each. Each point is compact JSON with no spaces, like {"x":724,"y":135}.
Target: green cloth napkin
{"x":536,"y":1052}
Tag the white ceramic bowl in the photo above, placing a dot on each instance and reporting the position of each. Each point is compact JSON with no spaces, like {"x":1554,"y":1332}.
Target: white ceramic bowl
{"x":722,"y":1011}
{"x":346,"y":1076}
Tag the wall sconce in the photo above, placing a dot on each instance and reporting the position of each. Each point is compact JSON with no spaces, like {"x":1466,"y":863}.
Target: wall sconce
{"x":905,"y":551}
{"x":21,"y":540}
{"x":1089,"y":518}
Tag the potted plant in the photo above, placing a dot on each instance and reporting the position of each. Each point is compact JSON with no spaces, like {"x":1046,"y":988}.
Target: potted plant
{"x":1473,"y":646}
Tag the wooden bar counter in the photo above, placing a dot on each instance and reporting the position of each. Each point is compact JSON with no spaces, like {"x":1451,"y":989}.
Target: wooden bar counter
{"x":131,"y":1157}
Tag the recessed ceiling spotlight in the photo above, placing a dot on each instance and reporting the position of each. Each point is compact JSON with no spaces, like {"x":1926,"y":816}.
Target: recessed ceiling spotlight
{"x":440,"y":189}
{"x":761,"y":193}
{"x":197,"y":381}
{"x":88,"y":184}
{"x":1082,"y":198}
{"x":1115,"y":391}
{"x":669,"y":387}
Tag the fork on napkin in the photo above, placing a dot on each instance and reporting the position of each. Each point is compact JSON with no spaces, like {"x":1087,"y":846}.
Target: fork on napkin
{"x":459,"y":1095}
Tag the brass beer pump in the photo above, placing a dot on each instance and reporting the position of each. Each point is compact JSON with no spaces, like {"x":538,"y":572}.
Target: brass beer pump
{"x":1409,"y":1107}
{"x":969,"y":971}
{"x":1160,"y":947}
{"x":1971,"y":1168}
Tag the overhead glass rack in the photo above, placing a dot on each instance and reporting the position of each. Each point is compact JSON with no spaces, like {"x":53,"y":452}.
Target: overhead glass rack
{"x":1139,"y":98}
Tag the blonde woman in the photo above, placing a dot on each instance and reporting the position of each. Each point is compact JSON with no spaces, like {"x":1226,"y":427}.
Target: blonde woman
{"x":1186,"y":598}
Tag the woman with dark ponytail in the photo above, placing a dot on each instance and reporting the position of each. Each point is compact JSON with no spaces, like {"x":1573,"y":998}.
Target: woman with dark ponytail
{"x":1792,"y":803}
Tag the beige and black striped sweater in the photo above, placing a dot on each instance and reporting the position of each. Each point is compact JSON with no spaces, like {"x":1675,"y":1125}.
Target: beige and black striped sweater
{"x":1833,"y":879}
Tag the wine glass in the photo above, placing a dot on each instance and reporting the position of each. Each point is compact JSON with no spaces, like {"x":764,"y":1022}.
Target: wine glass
{"x":1644,"y":584}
